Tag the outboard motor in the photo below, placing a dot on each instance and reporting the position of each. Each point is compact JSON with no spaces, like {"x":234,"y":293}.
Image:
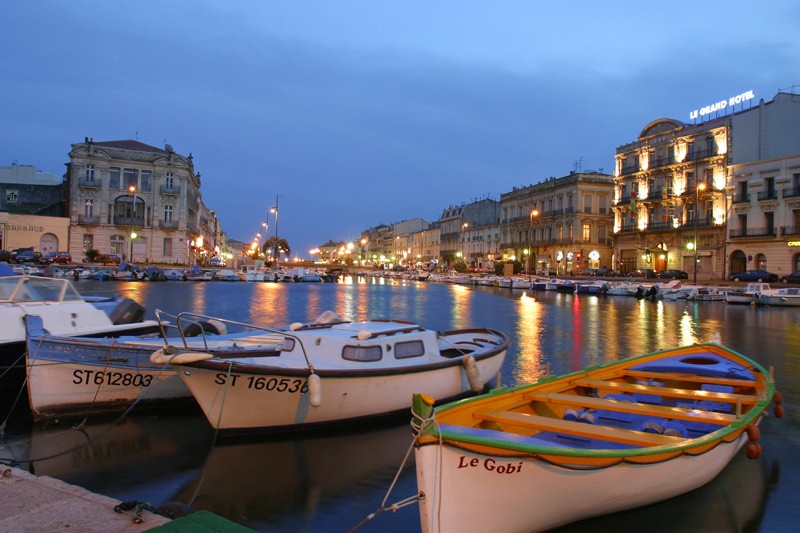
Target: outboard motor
{"x":127,"y":312}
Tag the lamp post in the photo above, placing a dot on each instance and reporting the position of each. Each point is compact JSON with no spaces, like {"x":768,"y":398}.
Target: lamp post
{"x":700,"y":187}
{"x":464,"y":227}
{"x":132,"y":190}
{"x":532,"y":257}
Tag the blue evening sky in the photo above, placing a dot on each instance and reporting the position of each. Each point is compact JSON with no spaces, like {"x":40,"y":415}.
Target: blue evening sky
{"x":367,"y":112}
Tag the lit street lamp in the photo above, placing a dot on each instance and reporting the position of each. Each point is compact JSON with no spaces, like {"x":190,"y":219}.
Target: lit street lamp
{"x":532,"y":257}
{"x":700,"y":187}
{"x":464,"y":226}
{"x":132,"y":190}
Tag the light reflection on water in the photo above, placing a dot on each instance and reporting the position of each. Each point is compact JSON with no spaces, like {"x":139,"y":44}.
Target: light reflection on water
{"x":548,"y":329}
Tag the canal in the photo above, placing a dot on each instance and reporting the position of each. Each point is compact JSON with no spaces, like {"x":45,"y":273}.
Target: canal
{"x":332,"y":481}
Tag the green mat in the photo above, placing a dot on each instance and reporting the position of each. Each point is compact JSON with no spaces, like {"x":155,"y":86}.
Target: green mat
{"x":200,"y":522}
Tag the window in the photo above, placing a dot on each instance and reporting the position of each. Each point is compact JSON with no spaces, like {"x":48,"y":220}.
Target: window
{"x":88,"y":208}
{"x":89,"y":173}
{"x":587,"y":203}
{"x":113,"y":178}
{"x":168,"y":213}
{"x":587,"y":233}
{"x":167,"y":249}
{"x":602,"y":234}
{"x":710,"y":145}
{"x":146,"y":180}
{"x":362,"y":353}
{"x":169,"y":181}
{"x":130,"y":176}
{"x":602,"y":200}
{"x":88,"y":243}
{"x":12,"y":196}
{"x":404,"y":350}
{"x":117,"y":244}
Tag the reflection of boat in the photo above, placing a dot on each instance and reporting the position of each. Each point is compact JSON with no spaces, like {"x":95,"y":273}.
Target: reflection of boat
{"x":333,"y":370}
{"x":308,"y":472}
{"x":64,"y":312}
{"x":76,"y":375}
{"x":609,"y":438}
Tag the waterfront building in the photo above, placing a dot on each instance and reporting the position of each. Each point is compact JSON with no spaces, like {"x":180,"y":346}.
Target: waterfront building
{"x":560,"y":225}
{"x":32,"y":210}
{"x":676,"y":190}
{"x":425,"y":246}
{"x":140,"y":202}
{"x":482,"y":246}
{"x":454,"y":224}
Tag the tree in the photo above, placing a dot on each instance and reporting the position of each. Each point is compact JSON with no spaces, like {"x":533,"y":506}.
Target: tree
{"x":278,"y":245}
{"x":92,"y":255}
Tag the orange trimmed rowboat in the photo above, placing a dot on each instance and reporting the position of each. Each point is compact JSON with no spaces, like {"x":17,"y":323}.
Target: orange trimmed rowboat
{"x":601,"y":440}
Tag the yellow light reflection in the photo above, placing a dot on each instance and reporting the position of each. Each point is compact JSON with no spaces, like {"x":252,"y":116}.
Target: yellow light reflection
{"x":531,"y":363}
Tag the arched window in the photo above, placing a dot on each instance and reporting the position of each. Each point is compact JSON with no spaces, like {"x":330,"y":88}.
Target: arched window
{"x":761,"y":262}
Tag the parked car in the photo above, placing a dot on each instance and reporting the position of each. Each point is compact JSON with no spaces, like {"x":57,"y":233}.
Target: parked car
{"x":755,"y":275}
{"x":605,"y":273}
{"x":15,"y":252}
{"x":217,"y":261}
{"x":61,"y":258}
{"x":794,"y":277}
{"x":643,"y":273}
{"x":673,"y":274}
{"x":28,"y":256}
{"x":110,"y":258}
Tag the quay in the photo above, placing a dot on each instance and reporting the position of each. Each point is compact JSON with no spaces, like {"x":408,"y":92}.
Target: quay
{"x":42,"y":503}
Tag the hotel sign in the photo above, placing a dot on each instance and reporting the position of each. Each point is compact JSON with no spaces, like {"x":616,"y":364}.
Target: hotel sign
{"x":722,"y":105}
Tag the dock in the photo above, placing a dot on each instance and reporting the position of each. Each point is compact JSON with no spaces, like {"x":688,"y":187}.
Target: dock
{"x":42,"y":503}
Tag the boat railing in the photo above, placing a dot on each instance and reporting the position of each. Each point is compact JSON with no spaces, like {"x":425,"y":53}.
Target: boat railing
{"x":185,"y":319}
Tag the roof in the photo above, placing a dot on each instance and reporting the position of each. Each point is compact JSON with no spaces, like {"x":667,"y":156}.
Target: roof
{"x":134,"y":146}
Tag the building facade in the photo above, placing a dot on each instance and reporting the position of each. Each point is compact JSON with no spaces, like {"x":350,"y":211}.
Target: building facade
{"x":139,"y":202}
{"x":683,"y":192}
{"x":561,"y":225}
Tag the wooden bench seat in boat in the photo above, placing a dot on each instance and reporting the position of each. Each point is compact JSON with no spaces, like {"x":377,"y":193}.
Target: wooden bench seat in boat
{"x":605,"y":433}
{"x":676,"y":413}
{"x":665,"y":391}
{"x":669,"y":376}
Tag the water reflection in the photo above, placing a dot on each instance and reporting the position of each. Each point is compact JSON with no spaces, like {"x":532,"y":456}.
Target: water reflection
{"x":530,"y":365}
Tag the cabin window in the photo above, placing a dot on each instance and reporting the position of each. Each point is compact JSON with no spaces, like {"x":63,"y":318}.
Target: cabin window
{"x":287,"y":345}
{"x":362,"y":353}
{"x":403,"y":350}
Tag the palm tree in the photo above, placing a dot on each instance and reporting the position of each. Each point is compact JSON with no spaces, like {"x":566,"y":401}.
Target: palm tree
{"x":279,"y":245}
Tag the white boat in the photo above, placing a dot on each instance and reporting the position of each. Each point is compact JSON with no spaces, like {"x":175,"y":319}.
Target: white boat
{"x":196,"y":274}
{"x":783,"y":297}
{"x":252,"y":273}
{"x":71,"y":376}
{"x":64,"y":312}
{"x":226,"y":274}
{"x":747,"y":295}
{"x":126,"y":272}
{"x":623,"y":288}
{"x":332,"y":371}
{"x":608,"y":438}
{"x":173,"y":274}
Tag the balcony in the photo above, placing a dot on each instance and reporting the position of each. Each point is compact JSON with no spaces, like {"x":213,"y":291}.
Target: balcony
{"x":89,"y":183}
{"x":790,"y":230}
{"x":629,"y":170}
{"x":660,"y":226}
{"x":129,"y":221}
{"x":707,"y":223}
{"x":767,"y":195}
{"x":175,"y":189}
{"x":752,"y":232}
{"x":628,"y":228}
{"x":168,"y":224}
{"x":741,"y":199}
{"x":793,"y":192}
{"x":88,"y":219}
{"x":624,"y":200}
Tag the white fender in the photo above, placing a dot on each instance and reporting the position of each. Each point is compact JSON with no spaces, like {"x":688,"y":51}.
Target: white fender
{"x":160,"y":358}
{"x":473,"y":377}
{"x":314,"y":390}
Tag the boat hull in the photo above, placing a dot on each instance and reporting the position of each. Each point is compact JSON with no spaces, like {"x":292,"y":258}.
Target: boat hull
{"x":276,"y":399}
{"x":528,"y":494}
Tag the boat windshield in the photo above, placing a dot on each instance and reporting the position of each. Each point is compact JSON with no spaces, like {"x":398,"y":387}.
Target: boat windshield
{"x":36,"y":289}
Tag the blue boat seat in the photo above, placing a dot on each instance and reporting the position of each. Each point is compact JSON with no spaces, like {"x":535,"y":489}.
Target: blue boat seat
{"x":649,"y":398}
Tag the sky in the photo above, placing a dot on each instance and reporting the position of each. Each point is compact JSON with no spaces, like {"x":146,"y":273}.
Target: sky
{"x":356,"y":113}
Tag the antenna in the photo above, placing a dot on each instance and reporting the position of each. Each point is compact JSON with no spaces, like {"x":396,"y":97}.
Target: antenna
{"x":579,"y":164}
{"x":137,"y":135}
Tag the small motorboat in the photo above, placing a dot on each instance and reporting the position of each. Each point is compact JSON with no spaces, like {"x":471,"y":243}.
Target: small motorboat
{"x":330,"y":371}
{"x":608,"y":438}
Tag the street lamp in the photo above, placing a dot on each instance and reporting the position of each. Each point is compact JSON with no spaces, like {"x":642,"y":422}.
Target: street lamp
{"x":274,"y":210}
{"x":700,"y":187}
{"x":464,"y":227}
{"x":531,"y":257}
{"x":132,"y":190}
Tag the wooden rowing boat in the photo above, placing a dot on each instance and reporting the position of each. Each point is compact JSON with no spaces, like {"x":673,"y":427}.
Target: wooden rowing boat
{"x":601,"y":440}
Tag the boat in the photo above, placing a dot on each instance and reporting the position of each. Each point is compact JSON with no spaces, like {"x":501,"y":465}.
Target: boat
{"x":196,"y":274}
{"x":746,"y":295}
{"x":226,"y":274}
{"x":72,"y":376}
{"x":332,"y":371}
{"x":783,"y":297}
{"x":126,"y":272}
{"x":591,"y":287}
{"x":64,"y":312}
{"x":601,"y":440}
{"x":173,"y":274}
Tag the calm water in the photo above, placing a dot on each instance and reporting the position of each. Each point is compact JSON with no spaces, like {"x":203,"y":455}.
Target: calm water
{"x":331,"y":482}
